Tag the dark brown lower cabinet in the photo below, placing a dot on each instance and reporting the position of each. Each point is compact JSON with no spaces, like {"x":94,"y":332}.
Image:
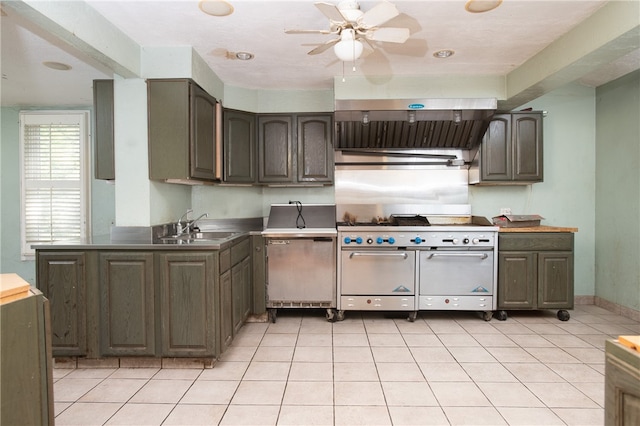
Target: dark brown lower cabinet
{"x":127,"y":311}
{"x":26,"y":381}
{"x":621,"y":385}
{"x":62,"y":278}
{"x":159,"y":303}
{"x":535,"y":271}
{"x":188,"y":303}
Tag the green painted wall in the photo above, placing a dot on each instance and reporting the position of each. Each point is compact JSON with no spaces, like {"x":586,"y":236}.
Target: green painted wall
{"x":567,"y":195}
{"x":617,"y":194}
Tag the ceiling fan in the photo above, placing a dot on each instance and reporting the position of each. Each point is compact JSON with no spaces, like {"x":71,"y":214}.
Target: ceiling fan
{"x":351,"y":25}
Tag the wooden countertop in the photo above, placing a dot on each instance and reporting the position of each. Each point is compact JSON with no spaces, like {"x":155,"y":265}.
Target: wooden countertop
{"x":540,"y":228}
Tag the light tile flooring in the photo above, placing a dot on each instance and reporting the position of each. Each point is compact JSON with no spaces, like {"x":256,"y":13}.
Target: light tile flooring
{"x":370,"y":369}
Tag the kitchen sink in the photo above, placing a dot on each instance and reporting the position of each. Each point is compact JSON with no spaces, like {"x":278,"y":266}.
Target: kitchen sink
{"x":198,"y":237}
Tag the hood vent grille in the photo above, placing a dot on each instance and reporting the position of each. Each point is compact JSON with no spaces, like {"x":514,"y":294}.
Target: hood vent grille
{"x":418,"y":135}
{"x":412,"y":124}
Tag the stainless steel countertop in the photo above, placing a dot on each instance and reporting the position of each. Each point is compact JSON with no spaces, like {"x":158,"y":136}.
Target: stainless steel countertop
{"x":103,"y":242}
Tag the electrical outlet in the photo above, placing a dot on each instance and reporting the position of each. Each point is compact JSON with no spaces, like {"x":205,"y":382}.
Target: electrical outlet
{"x":505,"y":210}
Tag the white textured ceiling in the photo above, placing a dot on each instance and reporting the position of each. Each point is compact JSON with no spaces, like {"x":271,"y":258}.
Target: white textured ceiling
{"x":491,"y":43}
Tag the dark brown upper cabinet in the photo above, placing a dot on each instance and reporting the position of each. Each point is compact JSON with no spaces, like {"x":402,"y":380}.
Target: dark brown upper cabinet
{"x":183,"y":140}
{"x":104,"y":161}
{"x":511,"y":151}
{"x":295,"y":149}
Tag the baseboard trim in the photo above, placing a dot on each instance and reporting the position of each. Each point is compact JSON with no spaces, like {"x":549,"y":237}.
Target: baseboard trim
{"x":616,"y":308}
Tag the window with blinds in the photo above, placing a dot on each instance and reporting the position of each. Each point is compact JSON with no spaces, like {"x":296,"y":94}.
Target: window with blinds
{"x":54,"y":177}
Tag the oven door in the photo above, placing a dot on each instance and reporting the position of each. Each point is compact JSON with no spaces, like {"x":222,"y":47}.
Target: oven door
{"x":377,"y":272}
{"x":456,"y":272}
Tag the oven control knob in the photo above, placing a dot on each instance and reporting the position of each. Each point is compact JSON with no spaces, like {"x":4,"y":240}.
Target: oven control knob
{"x":379,"y":240}
{"x":455,"y":241}
{"x":369,"y":240}
{"x":417,"y":240}
{"x":391,"y":240}
{"x":476,"y":240}
{"x":465,"y":241}
{"x":347,"y":240}
{"x":358,"y":240}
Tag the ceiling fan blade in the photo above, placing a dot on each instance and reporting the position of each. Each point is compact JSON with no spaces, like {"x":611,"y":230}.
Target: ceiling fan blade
{"x":389,"y":35}
{"x":331,"y":11}
{"x":309,"y":32}
{"x":323,"y":47}
{"x":378,"y":15}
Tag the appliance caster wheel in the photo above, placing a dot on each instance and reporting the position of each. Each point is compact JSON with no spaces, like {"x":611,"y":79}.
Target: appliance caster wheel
{"x":487,"y":315}
{"x":563,"y":315}
{"x":340,"y":315}
{"x":272,"y":315}
{"x":412,"y":316}
{"x":331,"y":315}
{"x":501,"y":315}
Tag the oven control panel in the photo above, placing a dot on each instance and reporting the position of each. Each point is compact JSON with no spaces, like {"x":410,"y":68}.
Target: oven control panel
{"x":418,"y":239}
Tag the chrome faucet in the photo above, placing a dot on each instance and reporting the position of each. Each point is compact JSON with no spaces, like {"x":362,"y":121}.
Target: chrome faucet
{"x":179,"y":228}
{"x":189,"y":225}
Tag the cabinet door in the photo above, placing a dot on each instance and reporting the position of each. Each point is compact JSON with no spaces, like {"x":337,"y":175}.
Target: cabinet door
{"x":527,"y":147}
{"x":103,"y":110}
{"x":315,"y":148}
{"x":247,"y":290}
{"x":237,"y":295}
{"x":258,"y":280}
{"x":496,"y":149}
{"x":187,"y":295}
{"x":516,"y":280}
{"x":203,"y":134}
{"x":555,"y":280}
{"x":226,"y":311}
{"x":275,"y":149}
{"x":239,"y":147}
{"x":127,"y":323}
{"x":168,"y":119}
{"x":61,"y":276}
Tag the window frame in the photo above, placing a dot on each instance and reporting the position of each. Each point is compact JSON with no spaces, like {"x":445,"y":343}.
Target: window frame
{"x":85,"y":135}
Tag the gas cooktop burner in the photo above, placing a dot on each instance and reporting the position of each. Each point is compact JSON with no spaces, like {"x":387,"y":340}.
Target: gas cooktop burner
{"x":393,"y":220}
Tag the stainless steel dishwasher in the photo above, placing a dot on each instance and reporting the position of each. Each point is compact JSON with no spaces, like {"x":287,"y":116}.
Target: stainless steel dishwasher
{"x":300,"y":244}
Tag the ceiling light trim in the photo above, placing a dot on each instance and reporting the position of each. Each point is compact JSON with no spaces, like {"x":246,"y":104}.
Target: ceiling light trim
{"x":216,"y":7}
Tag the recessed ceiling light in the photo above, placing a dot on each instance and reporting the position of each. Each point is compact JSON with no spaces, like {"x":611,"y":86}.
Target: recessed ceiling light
{"x":479,"y":6}
{"x":444,"y":53}
{"x":244,"y":56}
{"x":57,"y":66}
{"x":216,"y":7}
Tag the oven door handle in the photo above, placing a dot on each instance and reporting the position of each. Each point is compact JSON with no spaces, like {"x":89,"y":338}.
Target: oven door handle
{"x":363,"y":254}
{"x":480,"y":255}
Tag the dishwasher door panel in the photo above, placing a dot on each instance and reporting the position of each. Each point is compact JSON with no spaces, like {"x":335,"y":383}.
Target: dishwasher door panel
{"x":301,"y":270}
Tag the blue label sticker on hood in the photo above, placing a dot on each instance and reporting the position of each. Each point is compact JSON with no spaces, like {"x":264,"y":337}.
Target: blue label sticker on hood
{"x":416,"y":106}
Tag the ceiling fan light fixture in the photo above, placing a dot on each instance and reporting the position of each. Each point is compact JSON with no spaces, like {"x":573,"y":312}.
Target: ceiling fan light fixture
{"x":481,"y":6}
{"x":216,"y":7}
{"x":444,"y":53}
{"x":348,"y":49}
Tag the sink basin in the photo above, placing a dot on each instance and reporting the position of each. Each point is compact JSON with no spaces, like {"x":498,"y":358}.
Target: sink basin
{"x":196,"y":237}
{"x":212,"y":235}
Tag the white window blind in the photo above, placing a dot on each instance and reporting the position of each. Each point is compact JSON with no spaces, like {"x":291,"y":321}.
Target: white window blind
{"x":54,"y":188}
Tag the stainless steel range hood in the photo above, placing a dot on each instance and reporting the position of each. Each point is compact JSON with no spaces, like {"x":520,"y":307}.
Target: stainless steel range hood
{"x":382,"y":124}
